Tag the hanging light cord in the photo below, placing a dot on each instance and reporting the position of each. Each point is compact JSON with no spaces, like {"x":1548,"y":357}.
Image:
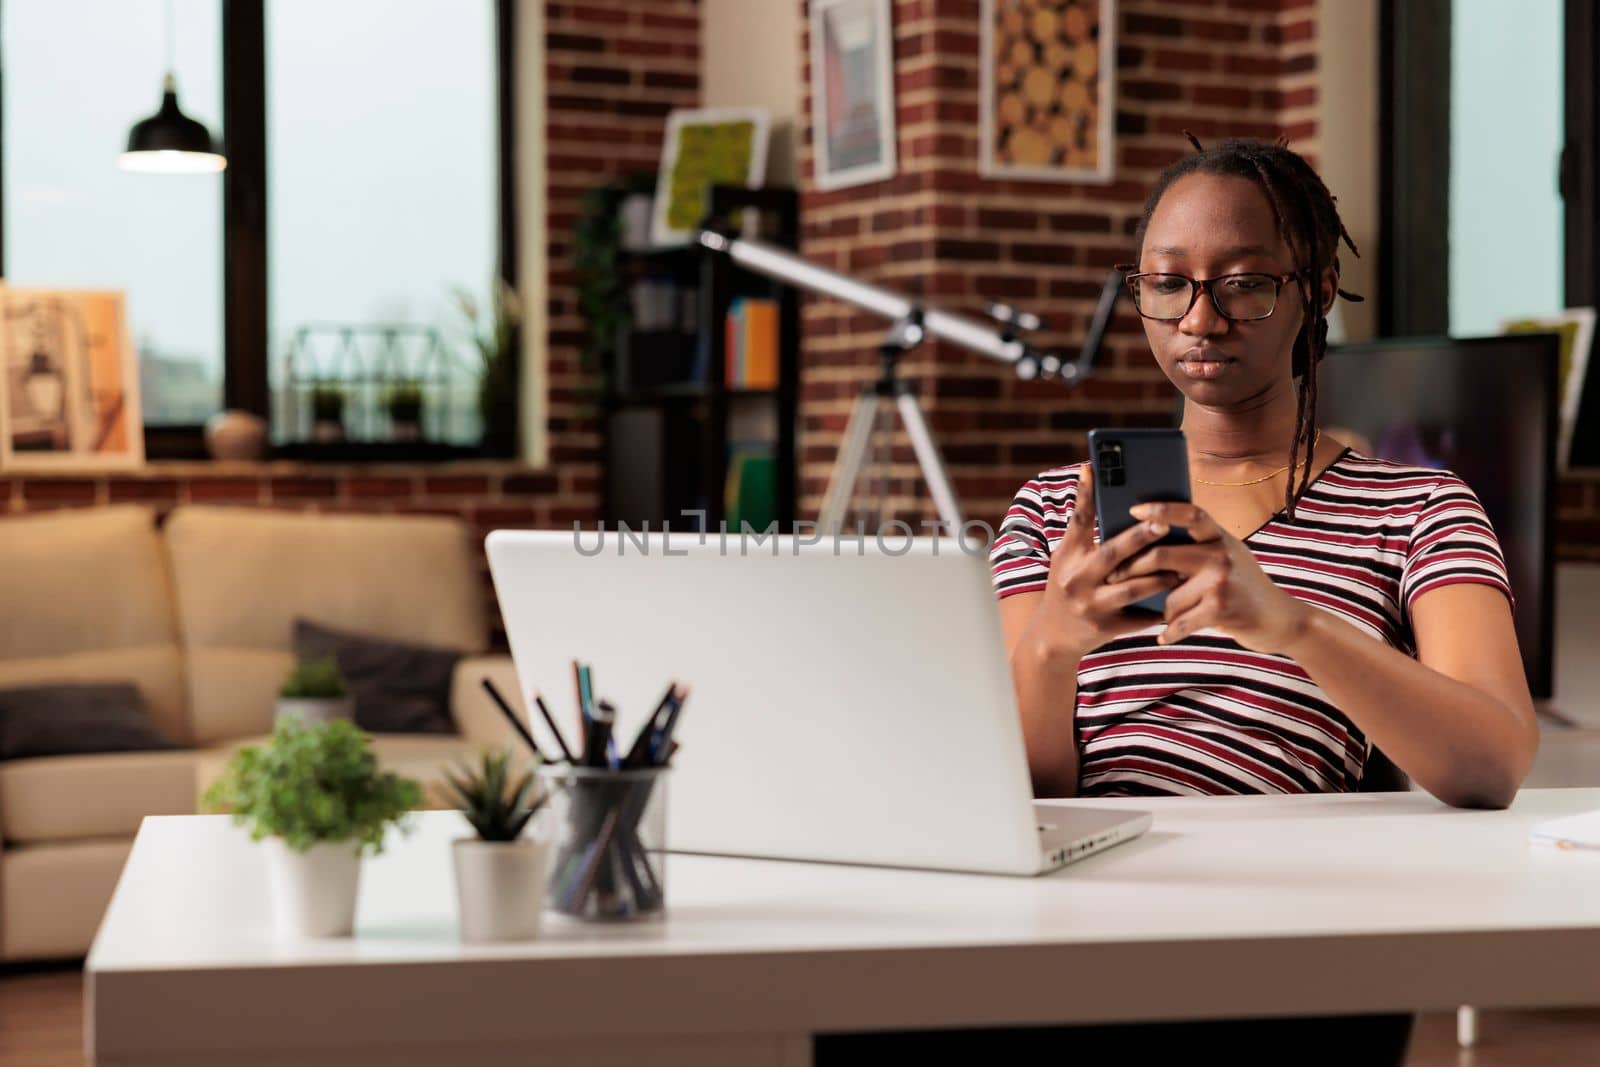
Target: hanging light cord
{"x":172,"y":48}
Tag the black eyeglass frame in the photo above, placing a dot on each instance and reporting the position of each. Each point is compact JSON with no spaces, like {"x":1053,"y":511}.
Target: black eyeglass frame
{"x":1195,"y":285}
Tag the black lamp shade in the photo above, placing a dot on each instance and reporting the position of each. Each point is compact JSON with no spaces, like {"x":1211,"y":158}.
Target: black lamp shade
{"x":171,"y":142}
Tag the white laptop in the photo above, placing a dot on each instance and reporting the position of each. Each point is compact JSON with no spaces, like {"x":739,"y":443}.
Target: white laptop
{"x":846,"y":704}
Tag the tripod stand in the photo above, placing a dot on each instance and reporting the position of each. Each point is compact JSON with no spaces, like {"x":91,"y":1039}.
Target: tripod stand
{"x":904,"y":335}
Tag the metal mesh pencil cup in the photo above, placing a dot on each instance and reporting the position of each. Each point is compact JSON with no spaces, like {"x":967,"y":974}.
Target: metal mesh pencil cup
{"x":608,"y":859}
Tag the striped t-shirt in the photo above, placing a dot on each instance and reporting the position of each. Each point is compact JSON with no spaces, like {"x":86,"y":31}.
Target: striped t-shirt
{"x":1206,"y":715}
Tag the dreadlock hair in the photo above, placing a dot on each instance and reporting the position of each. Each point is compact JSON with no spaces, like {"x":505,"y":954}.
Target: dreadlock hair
{"x":1308,"y":220}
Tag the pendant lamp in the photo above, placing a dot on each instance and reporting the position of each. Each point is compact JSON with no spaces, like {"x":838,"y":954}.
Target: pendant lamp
{"x":170,"y":142}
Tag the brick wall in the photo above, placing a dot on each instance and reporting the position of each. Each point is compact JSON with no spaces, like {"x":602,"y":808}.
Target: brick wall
{"x":1216,"y":67}
{"x":613,"y":70}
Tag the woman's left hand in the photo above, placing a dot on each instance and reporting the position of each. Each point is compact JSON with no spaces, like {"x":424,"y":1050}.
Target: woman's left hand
{"x":1223,"y":585}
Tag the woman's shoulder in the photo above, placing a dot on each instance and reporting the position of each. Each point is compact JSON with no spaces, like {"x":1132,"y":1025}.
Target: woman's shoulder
{"x":1050,"y":491}
{"x":1356,"y":471}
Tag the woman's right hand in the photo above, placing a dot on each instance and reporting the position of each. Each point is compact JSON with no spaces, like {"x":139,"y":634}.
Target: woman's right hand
{"x":1079,"y":611}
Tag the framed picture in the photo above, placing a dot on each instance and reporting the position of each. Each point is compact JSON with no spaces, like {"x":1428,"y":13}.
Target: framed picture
{"x":852,"y":95}
{"x":713,"y":146}
{"x":1048,"y":73}
{"x":1576,"y":327}
{"x":69,"y":394}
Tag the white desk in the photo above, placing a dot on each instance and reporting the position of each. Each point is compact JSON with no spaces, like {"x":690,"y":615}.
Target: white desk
{"x":1227,"y":907}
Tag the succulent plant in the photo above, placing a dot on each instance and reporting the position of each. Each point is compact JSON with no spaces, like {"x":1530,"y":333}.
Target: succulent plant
{"x":497,"y":807}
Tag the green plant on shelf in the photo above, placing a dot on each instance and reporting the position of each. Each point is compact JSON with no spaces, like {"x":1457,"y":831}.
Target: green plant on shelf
{"x":598,"y":265}
{"x":497,"y":806}
{"x":403,"y":400}
{"x":313,"y":784}
{"x":317,"y":679}
{"x":493,"y":332}
{"x":327,"y":402}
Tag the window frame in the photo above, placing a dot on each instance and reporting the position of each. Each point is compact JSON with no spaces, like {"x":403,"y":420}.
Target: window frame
{"x":245,"y":211}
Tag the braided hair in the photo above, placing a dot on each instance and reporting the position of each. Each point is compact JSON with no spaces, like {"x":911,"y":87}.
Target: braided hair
{"x":1308,"y":220}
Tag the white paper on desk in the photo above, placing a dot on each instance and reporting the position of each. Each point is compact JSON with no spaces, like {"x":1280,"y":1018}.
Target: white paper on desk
{"x":1574,"y":831}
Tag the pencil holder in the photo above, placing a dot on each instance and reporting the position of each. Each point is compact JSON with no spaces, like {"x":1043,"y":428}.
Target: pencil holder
{"x":610,"y":840}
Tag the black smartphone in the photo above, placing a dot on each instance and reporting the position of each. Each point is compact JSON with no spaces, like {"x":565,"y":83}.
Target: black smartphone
{"x":1139,"y":467}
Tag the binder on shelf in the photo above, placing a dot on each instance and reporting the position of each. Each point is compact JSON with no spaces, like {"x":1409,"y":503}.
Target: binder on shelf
{"x":751,"y":492}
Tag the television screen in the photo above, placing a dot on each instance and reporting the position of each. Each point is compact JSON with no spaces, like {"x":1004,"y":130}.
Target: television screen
{"x":1484,"y":408}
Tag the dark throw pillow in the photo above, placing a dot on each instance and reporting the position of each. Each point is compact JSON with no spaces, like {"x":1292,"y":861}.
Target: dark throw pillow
{"x":71,"y":719}
{"x":397,"y":688}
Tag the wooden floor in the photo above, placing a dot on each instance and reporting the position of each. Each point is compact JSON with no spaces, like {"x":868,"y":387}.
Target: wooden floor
{"x":41,"y":1010}
{"x":41,"y":1025}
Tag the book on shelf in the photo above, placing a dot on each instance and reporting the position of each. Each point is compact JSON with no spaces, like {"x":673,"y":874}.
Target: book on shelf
{"x":751,"y":344}
{"x":751,"y":491}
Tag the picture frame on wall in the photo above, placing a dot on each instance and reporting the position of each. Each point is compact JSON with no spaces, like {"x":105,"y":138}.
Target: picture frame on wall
{"x":1048,"y":107}
{"x":705,"y":147}
{"x":1576,"y":329}
{"x":69,"y":381}
{"x":852,"y":94}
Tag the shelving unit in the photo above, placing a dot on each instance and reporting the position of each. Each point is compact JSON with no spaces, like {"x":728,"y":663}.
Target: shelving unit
{"x":671,"y":416}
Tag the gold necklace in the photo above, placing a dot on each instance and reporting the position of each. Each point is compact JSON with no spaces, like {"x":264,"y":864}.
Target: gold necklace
{"x":1265,"y":477}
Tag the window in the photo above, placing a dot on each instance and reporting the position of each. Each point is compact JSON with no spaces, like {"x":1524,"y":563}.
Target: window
{"x":1505,"y":145}
{"x":382,"y":189}
{"x":366,"y":184}
{"x":78,"y":74}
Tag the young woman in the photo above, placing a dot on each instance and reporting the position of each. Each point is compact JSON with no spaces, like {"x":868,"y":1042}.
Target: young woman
{"x":1332,"y":603}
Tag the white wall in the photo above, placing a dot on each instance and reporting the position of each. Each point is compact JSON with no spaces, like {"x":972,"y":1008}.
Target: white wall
{"x":1347,"y":135}
{"x":750,"y":56}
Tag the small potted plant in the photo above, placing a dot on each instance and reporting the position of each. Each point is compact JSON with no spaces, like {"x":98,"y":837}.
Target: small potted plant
{"x":315,"y":691}
{"x":500,"y":873}
{"x":327,"y":412}
{"x":404,"y":403}
{"x":316,"y":795}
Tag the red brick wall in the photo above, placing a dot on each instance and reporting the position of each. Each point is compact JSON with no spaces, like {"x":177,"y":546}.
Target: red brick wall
{"x":1216,"y":67}
{"x":613,"y":70}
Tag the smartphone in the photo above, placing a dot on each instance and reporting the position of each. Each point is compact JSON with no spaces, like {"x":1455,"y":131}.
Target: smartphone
{"x":1139,"y":467}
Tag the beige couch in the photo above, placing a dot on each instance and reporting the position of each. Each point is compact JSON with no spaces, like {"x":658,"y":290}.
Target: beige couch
{"x":198,"y":615}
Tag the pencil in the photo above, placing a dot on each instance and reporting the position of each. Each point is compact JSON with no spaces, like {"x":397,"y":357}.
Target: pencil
{"x":511,"y":717}
{"x":550,"y":721}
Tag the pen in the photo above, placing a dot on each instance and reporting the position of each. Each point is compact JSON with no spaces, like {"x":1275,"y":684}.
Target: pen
{"x":660,"y":751}
{"x":511,"y":717}
{"x":549,"y":720}
{"x":641,"y":744}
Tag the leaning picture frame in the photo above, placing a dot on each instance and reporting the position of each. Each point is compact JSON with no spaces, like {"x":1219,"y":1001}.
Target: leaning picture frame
{"x":1576,"y":328}
{"x":702,"y":148}
{"x":852,"y":96}
{"x":69,"y":381}
{"x":1047,"y":90}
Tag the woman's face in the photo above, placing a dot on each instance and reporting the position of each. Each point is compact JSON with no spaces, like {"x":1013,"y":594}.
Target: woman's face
{"x":1205,"y":226}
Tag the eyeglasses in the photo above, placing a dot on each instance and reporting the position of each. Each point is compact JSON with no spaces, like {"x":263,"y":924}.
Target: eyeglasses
{"x":1237,"y":297}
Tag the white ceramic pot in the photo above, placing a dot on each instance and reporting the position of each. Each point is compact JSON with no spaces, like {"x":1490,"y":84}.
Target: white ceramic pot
{"x":316,"y":712}
{"x":500,"y":887}
{"x":314,"y":892}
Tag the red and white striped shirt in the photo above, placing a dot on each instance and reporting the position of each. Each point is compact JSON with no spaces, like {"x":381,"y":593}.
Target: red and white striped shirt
{"x":1208,"y":716}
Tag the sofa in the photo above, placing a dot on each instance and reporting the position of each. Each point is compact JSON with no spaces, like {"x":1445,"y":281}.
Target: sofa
{"x":197,"y":613}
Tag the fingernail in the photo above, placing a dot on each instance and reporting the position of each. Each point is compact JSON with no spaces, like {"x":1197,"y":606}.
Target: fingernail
{"x":1139,"y":511}
{"x":1157,"y":529}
